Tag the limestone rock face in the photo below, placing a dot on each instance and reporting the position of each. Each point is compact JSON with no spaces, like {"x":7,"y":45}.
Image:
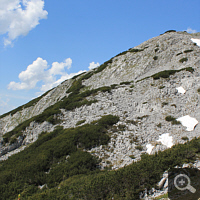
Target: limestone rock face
{"x":9,"y":122}
{"x":141,"y":102}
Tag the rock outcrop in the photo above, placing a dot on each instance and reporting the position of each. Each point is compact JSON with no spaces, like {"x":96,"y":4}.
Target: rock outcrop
{"x":140,"y":100}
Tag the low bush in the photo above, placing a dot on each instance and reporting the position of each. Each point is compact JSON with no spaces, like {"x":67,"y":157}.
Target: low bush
{"x":170,"y":31}
{"x":161,"y":87}
{"x":125,"y":83}
{"x":164,"y":104}
{"x":188,"y":51}
{"x":172,"y":120}
{"x":80,"y":122}
{"x":103,"y":66}
{"x":179,"y":54}
{"x":136,"y":50}
{"x":159,"y":125}
{"x":185,"y":138}
{"x":182,"y":60}
{"x":74,"y":77}
{"x":113,"y":86}
{"x":174,"y":105}
{"x":139,"y":147}
{"x":142,"y":117}
{"x":167,"y":73}
{"x":155,"y":57}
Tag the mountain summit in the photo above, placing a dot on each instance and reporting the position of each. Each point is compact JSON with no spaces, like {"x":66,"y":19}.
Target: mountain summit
{"x":140,"y":102}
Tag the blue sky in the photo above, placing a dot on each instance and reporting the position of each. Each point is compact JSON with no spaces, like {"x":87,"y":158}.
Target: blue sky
{"x":45,"y":42}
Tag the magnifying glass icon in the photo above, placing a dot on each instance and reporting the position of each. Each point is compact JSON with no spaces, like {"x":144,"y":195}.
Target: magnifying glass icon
{"x":182,"y":181}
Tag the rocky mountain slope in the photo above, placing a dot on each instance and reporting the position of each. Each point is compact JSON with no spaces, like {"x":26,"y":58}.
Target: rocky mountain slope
{"x":153,"y":88}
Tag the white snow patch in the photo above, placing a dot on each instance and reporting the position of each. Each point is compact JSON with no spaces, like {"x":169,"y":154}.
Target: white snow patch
{"x":181,"y":90}
{"x":166,"y":140}
{"x":188,"y":121}
{"x":149,"y":148}
{"x":197,"y":41}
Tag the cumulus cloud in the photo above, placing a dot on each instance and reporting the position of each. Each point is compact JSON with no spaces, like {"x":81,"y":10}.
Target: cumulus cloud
{"x":18,"y":17}
{"x":93,"y":65}
{"x":189,"y":30}
{"x":39,"y":71}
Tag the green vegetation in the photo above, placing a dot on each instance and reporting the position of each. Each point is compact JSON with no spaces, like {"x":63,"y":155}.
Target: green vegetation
{"x":132,"y":156}
{"x":172,"y":120}
{"x":113,"y":86}
{"x":161,"y":87}
{"x":185,"y":138}
{"x":74,"y":77}
{"x":142,"y":117}
{"x":179,"y":53}
{"x":29,"y":104}
{"x":131,"y":50}
{"x":198,"y":90}
{"x":183,"y":60}
{"x":167,"y":73}
{"x":132,"y":86}
{"x":78,"y":177}
{"x":136,"y":50}
{"x":103,"y":66}
{"x":139,"y":147}
{"x":125,"y":83}
{"x":188,"y":51}
{"x":155,"y":57}
{"x":27,"y":169}
{"x":157,"y":49}
{"x":80,"y":122}
{"x":51,"y":114}
{"x":164,"y":104}
{"x":87,"y":76}
{"x":170,"y":31}
{"x":121,"y":127}
{"x":164,"y":196}
{"x":174,"y":105}
{"x":132,"y":122}
{"x":159,"y":125}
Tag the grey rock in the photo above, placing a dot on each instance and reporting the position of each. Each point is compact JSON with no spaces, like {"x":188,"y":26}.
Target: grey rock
{"x":140,"y":108}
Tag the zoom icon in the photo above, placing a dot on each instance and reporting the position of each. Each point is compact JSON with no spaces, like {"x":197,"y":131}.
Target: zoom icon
{"x":184,"y":184}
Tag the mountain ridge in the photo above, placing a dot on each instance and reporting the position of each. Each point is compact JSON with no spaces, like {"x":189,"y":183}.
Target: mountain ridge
{"x":109,"y":78}
{"x":150,"y":88}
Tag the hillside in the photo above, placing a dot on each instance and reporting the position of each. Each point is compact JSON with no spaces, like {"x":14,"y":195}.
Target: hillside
{"x":140,"y":102}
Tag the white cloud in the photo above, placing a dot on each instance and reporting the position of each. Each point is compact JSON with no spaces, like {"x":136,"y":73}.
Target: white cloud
{"x":39,"y":71}
{"x":189,"y":30}
{"x":93,"y":65}
{"x":18,"y":17}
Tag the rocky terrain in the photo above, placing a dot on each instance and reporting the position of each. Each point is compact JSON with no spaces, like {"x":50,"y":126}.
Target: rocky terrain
{"x":154,"y":88}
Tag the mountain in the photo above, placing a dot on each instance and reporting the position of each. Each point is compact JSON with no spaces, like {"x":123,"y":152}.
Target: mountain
{"x":107,"y":125}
